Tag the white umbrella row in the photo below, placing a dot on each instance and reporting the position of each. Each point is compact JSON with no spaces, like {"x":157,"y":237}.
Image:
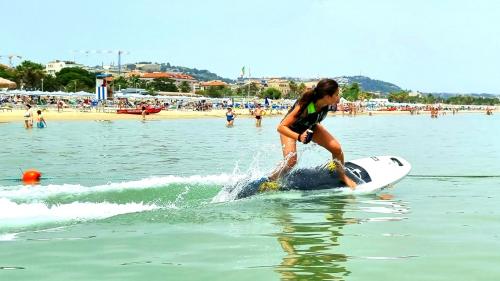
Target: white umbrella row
{"x":40,"y":93}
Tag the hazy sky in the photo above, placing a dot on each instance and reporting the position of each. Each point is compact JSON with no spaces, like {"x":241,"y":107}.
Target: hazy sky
{"x":435,"y":46}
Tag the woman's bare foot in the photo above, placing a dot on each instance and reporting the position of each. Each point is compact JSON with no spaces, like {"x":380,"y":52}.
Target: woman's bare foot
{"x":350,"y":183}
{"x":386,"y":196}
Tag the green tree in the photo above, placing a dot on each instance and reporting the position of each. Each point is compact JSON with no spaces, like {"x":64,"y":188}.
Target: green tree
{"x":184,"y":87}
{"x":30,"y":74}
{"x":217,"y":92}
{"x":151,"y":91}
{"x":85,"y":79}
{"x":240,"y":91}
{"x":201,"y":92}
{"x":75,"y":86}
{"x":250,"y":89}
{"x":351,"y":92}
{"x":401,"y":96}
{"x":163,"y":85}
{"x":300,"y":89}
{"x":461,"y":99}
{"x":142,"y":84}
{"x":272,"y":93}
{"x":51,"y":84}
{"x":214,"y":91}
{"x":133,"y":81}
{"x":227,"y":92}
{"x":254,"y":89}
{"x":120,"y":83}
{"x":365,"y":95}
{"x":294,"y":89}
{"x":8,"y":73}
{"x":429,"y":99}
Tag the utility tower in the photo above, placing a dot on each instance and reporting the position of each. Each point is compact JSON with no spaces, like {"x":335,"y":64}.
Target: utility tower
{"x":119,"y":52}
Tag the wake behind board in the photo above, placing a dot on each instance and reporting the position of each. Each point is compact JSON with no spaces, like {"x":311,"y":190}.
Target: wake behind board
{"x":371,"y":174}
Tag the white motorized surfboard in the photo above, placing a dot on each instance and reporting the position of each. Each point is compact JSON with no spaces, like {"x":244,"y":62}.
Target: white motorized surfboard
{"x":383,"y":171}
{"x":371,"y":174}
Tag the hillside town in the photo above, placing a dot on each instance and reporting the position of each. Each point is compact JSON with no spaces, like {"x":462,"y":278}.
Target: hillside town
{"x":140,"y":75}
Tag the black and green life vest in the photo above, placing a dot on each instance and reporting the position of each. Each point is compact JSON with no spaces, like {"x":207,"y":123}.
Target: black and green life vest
{"x":310,"y":120}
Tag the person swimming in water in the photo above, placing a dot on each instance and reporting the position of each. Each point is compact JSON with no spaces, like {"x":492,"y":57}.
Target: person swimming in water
{"x":40,"y":121}
{"x":230,"y":115}
{"x":302,"y":124}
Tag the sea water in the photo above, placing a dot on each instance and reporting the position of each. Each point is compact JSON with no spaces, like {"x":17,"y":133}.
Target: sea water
{"x":132,"y":200}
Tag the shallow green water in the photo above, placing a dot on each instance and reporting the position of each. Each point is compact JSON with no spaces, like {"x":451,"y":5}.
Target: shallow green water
{"x":128,"y":200}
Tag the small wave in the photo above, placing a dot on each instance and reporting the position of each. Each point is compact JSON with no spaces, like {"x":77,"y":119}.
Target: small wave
{"x":14,"y":215}
{"x":384,"y":219}
{"x":11,"y":267}
{"x":8,"y":237}
{"x":383,"y":210}
{"x":386,"y":258}
{"x":23,"y":192}
{"x":454,"y":176}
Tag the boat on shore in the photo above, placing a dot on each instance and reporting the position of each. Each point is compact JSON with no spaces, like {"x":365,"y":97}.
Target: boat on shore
{"x":138,"y":111}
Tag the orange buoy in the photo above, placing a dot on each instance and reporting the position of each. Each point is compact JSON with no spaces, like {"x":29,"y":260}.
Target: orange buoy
{"x":31,"y":176}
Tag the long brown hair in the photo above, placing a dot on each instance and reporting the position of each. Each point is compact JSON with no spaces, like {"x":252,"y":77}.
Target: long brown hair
{"x":323,"y":88}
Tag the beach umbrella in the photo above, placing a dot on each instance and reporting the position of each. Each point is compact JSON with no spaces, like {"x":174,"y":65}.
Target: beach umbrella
{"x":4,"y":83}
{"x":36,"y":93}
{"x":9,"y":93}
{"x":84,"y":94}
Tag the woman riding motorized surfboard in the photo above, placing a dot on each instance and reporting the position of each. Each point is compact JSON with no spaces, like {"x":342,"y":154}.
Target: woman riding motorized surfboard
{"x":302,"y":123}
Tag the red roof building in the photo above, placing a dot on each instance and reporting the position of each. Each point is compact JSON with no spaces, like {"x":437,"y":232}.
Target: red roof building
{"x":213,"y":83}
{"x":178,"y":77}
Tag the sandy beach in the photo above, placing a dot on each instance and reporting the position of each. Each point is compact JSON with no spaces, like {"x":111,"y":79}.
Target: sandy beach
{"x":76,"y":115}
{"x":70,"y":114}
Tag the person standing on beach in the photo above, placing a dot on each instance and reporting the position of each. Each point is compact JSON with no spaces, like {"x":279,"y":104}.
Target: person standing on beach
{"x":230,"y":115}
{"x":258,"y":113}
{"x":28,"y":117}
{"x":40,"y":121}
{"x":302,"y":123}
{"x":59,"y":105}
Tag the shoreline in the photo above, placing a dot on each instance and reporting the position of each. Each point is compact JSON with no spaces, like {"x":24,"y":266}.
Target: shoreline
{"x":76,"y":115}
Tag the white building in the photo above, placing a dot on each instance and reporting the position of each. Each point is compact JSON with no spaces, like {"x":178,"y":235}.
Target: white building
{"x":53,"y":67}
{"x":415,"y":94}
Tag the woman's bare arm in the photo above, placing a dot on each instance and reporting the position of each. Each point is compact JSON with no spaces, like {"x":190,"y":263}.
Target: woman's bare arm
{"x":284,"y":126}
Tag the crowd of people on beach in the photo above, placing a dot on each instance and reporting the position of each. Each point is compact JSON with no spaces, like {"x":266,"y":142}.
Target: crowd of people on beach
{"x":207,"y":104}
{"x":255,"y":107}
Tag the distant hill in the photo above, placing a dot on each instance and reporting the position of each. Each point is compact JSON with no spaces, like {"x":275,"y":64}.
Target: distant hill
{"x":368,"y":84}
{"x":199,"y":74}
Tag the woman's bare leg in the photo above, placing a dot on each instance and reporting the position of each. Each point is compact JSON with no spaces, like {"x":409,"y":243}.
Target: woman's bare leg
{"x":325,"y":139}
{"x":289,"y":147}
